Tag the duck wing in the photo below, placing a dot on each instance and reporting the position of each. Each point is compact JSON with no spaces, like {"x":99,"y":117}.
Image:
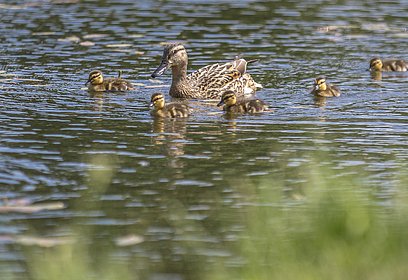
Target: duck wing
{"x":213,"y":80}
{"x":215,"y":75}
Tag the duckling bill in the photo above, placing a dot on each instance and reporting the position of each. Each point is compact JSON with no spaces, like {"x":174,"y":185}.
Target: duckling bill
{"x":398,"y":65}
{"x":232,"y":105}
{"x":171,"y":110}
{"x":97,"y":82}
{"x":321,"y":88}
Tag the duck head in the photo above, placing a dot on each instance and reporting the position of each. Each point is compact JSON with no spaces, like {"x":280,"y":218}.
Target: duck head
{"x":376,"y":64}
{"x":95,"y":78}
{"x":320,"y":83}
{"x":174,"y":55}
{"x":228,"y":98}
{"x":157,"y":101}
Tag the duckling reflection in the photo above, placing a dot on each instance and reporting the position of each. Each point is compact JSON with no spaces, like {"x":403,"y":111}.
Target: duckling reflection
{"x":170,"y":137}
{"x":320,"y":101}
{"x":102,"y":101}
{"x":232,"y":105}
{"x":322,"y":89}
{"x":97,"y":82}
{"x":376,"y":75}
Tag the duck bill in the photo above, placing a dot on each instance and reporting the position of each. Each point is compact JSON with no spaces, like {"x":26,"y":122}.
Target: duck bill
{"x":161,"y":69}
{"x":316,"y":87}
{"x":87,"y":82}
{"x":220,"y":103}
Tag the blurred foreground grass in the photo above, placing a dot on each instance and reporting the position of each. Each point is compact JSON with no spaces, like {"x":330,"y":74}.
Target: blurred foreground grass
{"x":332,"y":229}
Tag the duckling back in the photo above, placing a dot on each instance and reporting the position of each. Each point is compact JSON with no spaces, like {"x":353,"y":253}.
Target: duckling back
{"x":256,"y":106}
{"x":250,"y":106}
{"x":172,"y":110}
{"x":395,"y":65}
{"x":117,"y":84}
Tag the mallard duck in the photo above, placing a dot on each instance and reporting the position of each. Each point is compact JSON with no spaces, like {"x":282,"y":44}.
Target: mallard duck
{"x":98,"y":83}
{"x":208,"y":82}
{"x":232,"y":105}
{"x":321,"y":88}
{"x":376,"y":64}
{"x":171,"y":110}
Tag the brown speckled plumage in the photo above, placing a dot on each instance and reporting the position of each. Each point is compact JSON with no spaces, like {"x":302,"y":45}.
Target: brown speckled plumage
{"x":208,"y":82}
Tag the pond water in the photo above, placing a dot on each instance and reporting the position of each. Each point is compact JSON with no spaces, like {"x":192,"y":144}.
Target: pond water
{"x":178,"y":182}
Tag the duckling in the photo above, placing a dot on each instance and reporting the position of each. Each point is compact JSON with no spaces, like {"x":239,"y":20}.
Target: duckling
{"x":208,"y":82}
{"x":376,"y":64}
{"x":171,"y":110}
{"x":323,"y":89}
{"x":98,"y":83}
{"x":251,"y":106}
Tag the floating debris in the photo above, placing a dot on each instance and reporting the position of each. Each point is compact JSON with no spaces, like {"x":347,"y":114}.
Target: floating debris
{"x":129,"y":240}
{"x":94,"y":36}
{"x":87,"y":43}
{"x":43,"y":33}
{"x":136,"y":36}
{"x":41,"y":241}
{"x":27,"y":207}
{"x":118,"y":45}
{"x":74,"y":39}
{"x":139,"y":84}
{"x":154,"y":81}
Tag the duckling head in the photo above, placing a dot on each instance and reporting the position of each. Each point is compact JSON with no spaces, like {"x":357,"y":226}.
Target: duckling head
{"x":157,"y":101}
{"x":95,"y":78}
{"x":174,"y":55}
{"x":228,"y":98}
{"x":376,"y":64}
{"x":320,"y":83}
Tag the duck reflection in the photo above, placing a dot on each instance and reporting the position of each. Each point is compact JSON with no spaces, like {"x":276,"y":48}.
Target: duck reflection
{"x":376,"y":75}
{"x":98,"y":100}
{"x":170,"y":136}
{"x":320,"y":101}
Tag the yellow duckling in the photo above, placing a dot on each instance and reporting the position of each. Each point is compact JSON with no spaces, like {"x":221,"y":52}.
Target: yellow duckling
{"x":208,"y":82}
{"x":321,"y":88}
{"x":376,"y":64}
{"x":171,"y":110}
{"x":251,"y":106}
{"x":98,"y":83}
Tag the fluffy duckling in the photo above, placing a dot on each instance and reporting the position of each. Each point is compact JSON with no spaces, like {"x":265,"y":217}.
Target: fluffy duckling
{"x":98,"y":83}
{"x":231,"y":105}
{"x":171,"y":110}
{"x":321,"y":88}
{"x":376,"y":64}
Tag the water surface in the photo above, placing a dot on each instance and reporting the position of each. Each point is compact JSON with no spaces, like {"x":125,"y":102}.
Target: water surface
{"x":183,"y":183}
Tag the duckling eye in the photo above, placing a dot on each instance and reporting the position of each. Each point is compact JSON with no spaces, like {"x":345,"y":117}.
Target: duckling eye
{"x":157,"y":100}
